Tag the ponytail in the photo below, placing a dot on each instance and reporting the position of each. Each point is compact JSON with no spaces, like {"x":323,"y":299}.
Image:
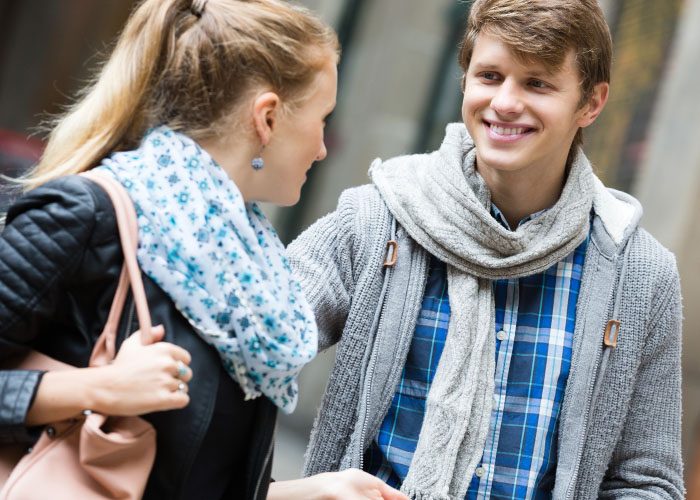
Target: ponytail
{"x":186,"y":64}
{"x":110,"y":114}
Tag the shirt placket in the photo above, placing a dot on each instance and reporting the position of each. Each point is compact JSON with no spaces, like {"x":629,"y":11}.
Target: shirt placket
{"x":505,"y":339}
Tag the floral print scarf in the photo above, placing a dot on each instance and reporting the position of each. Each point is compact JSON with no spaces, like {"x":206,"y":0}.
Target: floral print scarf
{"x":220,"y":261}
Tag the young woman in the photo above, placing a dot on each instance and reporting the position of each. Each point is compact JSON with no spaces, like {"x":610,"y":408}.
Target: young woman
{"x":204,"y":108}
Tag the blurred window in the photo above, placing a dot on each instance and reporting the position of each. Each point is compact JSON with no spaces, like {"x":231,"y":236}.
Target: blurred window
{"x":444,"y":102}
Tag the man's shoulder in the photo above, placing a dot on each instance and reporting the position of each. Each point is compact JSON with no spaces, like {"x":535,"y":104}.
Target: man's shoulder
{"x":649,"y":270}
{"x":648,"y":252}
{"x":362,"y":204}
{"x":360,"y":220}
{"x":364,"y":192}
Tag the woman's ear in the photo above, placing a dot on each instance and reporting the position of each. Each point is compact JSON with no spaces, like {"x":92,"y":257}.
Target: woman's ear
{"x":266,"y":110}
{"x":595,"y":104}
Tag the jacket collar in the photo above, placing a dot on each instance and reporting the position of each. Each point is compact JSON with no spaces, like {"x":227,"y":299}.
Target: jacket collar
{"x":618,"y":215}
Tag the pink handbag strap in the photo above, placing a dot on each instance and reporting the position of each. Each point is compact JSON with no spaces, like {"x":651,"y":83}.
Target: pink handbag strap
{"x":104,"y":350}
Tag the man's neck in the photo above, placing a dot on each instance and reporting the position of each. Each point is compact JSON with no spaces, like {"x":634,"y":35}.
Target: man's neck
{"x":521,"y":194}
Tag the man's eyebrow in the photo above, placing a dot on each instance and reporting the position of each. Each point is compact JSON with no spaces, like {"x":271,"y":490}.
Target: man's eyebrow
{"x":544,"y":72}
{"x":540,"y":72}
{"x":486,"y":66}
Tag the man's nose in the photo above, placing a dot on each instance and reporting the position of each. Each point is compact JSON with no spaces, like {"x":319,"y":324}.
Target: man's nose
{"x":508,"y":99}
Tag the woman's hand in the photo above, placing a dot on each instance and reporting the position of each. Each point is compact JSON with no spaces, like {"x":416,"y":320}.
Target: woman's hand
{"x":142,"y":379}
{"x":350,"y":484}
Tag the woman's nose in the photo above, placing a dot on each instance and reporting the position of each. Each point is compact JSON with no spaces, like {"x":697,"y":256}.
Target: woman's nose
{"x":323,"y":152}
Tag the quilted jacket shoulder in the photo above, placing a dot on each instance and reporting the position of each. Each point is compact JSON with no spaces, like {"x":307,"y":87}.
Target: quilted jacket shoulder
{"x":43,"y":242}
{"x":45,"y":238}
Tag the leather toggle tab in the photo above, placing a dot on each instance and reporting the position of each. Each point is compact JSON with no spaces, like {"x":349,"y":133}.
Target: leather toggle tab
{"x":612,"y":330}
{"x":392,"y":253}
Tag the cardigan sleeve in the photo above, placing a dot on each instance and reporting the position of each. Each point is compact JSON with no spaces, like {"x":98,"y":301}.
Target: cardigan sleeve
{"x":44,"y":241}
{"x":317,"y":259}
{"x":647,"y":460}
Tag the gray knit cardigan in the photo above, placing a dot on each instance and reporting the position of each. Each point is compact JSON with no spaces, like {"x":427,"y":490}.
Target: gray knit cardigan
{"x":619,"y":428}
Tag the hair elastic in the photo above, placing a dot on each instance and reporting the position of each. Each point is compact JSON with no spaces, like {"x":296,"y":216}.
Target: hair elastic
{"x":197,"y":7}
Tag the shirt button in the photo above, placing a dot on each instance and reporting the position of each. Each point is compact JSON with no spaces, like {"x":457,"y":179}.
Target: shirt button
{"x":480,"y":471}
{"x":501,"y":335}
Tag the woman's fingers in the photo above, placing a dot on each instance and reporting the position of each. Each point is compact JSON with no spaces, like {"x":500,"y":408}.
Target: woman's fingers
{"x":152,"y":377}
{"x":357,"y":484}
{"x":157,"y":333}
{"x":389,"y":493}
{"x":349,"y":484}
{"x":181,"y":371}
{"x":180,"y":394}
{"x":176,"y":352}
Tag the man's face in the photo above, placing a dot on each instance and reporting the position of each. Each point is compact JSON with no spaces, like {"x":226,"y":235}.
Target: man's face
{"x":522,"y":117}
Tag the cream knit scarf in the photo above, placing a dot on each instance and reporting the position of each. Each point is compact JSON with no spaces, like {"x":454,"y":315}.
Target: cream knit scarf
{"x":444,"y":205}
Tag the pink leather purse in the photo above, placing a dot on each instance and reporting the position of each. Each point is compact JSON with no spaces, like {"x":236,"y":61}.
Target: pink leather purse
{"x":94,"y":456}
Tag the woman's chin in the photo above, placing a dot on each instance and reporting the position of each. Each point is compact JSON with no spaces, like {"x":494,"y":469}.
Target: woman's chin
{"x":285,"y":200}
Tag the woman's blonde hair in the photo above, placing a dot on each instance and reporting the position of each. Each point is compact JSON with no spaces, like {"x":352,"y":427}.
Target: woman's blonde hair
{"x":186,"y":64}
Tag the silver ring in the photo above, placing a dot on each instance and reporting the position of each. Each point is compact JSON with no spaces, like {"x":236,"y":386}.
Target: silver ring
{"x":181,"y":387}
{"x":181,"y":369}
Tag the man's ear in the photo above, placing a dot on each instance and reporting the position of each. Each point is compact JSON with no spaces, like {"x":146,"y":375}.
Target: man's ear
{"x":266,"y":110}
{"x":595,"y":104}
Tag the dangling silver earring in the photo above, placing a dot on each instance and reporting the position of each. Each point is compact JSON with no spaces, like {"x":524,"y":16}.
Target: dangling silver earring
{"x":258,"y":163}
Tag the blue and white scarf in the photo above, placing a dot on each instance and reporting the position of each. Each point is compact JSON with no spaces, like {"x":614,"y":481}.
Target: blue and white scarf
{"x":220,"y":261}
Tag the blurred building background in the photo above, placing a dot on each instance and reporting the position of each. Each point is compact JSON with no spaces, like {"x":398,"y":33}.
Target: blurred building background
{"x":398,"y":87}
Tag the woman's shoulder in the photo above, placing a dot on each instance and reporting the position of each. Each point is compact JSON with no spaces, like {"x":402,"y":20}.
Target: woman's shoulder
{"x":67,"y":213}
{"x":70,"y":194}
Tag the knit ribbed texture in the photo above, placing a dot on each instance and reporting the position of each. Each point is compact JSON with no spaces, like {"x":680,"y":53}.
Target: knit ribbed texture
{"x":640,"y":400}
{"x":324,"y":263}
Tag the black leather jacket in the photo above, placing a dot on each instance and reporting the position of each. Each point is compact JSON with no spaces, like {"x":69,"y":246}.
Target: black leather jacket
{"x":60,"y":258}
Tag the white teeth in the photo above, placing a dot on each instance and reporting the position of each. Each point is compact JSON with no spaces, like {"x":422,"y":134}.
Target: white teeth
{"x":507,"y":131}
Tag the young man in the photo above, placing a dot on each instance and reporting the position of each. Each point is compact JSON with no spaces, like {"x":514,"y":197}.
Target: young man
{"x":519,"y":335}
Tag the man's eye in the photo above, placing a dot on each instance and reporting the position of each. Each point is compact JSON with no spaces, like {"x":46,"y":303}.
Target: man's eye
{"x":538,"y":84}
{"x":489,"y":75}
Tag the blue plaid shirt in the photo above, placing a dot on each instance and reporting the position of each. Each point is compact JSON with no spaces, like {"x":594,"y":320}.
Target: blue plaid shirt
{"x":535,"y":319}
